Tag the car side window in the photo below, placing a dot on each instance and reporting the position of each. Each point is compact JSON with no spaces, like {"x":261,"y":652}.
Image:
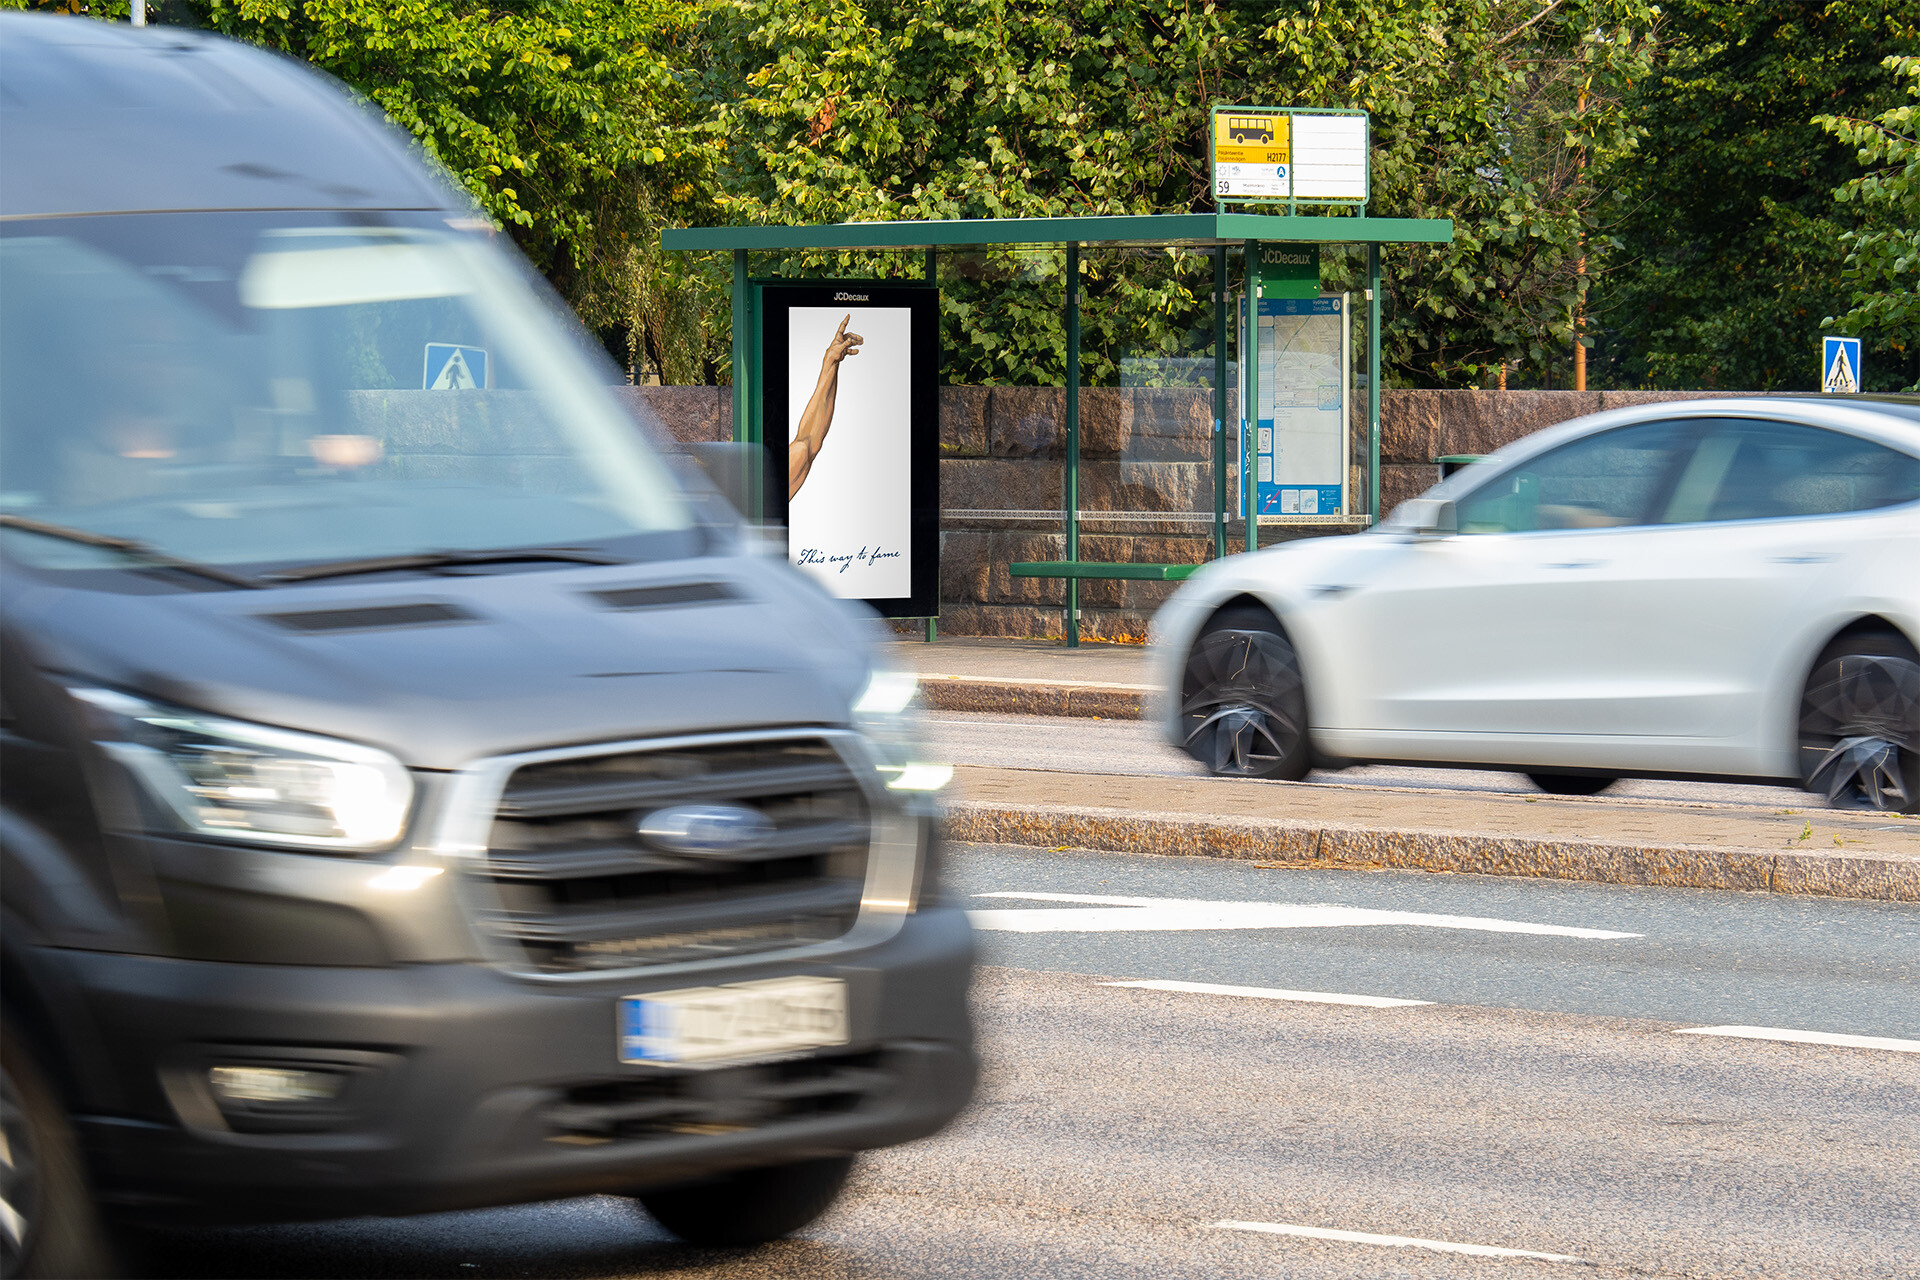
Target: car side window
{"x":1748,"y":469}
{"x":1607,"y":480}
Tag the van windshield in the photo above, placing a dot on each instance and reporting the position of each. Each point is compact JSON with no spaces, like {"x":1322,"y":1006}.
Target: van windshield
{"x":273,"y":390}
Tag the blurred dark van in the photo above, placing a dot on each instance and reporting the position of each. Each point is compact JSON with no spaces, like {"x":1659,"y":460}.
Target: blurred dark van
{"x":417,"y":794}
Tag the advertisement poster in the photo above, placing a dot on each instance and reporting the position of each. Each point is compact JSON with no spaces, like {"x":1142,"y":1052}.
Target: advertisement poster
{"x":1302,"y":432}
{"x":851,"y":417}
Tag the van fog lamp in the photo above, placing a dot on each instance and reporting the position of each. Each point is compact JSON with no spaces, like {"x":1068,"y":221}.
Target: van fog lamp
{"x":921,"y":777}
{"x":271,"y":1086}
{"x":229,"y":778}
{"x":887,"y":714}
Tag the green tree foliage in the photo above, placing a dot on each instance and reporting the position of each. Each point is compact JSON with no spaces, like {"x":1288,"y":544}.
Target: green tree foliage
{"x":840,"y":111}
{"x":1502,"y":115}
{"x":1738,"y":247}
{"x":1883,"y":255}
{"x":1664,"y":175}
{"x":985,"y":108}
{"x":563,"y":118}
{"x":559,"y":116}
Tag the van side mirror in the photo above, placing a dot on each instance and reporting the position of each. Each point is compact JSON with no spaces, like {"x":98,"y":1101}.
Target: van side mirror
{"x":729,"y":467}
{"x":1429,"y":518}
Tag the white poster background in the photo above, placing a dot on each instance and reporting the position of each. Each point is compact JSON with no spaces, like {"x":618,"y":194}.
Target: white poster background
{"x":851,"y":523}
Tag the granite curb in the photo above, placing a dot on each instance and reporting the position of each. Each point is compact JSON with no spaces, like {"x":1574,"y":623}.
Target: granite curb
{"x":1035,"y":698}
{"x":1887,"y":878}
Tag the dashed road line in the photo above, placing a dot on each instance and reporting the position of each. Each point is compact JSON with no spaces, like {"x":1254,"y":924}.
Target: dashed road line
{"x":1397,"y":1242}
{"x":1806,"y":1037}
{"x":1102,"y":913}
{"x":1267,"y":993}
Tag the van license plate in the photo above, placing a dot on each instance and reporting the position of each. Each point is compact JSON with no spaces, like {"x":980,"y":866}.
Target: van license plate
{"x":741,"y":1022}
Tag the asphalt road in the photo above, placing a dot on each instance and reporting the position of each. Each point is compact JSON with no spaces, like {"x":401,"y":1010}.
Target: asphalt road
{"x":1133,"y":748}
{"x":1553,"y":1098}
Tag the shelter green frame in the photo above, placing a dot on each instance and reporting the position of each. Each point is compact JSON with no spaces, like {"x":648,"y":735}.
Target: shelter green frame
{"x":1160,"y":230}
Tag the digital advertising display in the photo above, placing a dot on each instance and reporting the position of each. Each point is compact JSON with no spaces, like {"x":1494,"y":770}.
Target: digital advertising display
{"x":851,"y":417}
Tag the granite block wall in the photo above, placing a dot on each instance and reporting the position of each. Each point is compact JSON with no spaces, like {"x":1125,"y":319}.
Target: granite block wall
{"x":1143,"y":451}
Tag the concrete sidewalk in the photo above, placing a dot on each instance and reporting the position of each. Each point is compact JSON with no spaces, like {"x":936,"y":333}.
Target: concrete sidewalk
{"x":1807,"y":850}
{"x":1029,"y":677}
{"x":1803,"y":849}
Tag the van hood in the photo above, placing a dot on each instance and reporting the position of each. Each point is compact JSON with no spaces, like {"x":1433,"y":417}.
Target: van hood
{"x":444,"y":670}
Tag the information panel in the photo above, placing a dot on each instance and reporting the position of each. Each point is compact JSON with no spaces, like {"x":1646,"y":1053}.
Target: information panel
{"x":850,"y":413}
{"x":1268,"y":154}
{"x":1252,"y":154}
{"x":1302,"y":435}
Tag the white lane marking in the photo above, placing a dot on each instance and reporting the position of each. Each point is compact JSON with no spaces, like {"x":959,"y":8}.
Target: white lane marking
{"x":1267,"y":993}
{"x":1166,"y":914}
{"x":1398,"y":1242}
{"x":1806,"y":1037}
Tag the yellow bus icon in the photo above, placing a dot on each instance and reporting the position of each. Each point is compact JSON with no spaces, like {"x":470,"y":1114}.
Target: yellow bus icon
{"x":1258,"y":129}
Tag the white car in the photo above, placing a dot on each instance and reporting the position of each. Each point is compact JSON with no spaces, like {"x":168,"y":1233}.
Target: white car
{"x":1710,"y":589}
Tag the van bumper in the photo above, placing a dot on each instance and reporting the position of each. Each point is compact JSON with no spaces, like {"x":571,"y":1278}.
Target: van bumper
{"x":469,"y":1087}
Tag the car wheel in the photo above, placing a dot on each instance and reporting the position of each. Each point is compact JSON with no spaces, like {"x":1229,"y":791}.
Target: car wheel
{"x":1243,"y":706}
{"x":1860,"y":725}
{"x":1570,"y":784}
{"x":48,"y":1226}
{"x":749,"y":1206}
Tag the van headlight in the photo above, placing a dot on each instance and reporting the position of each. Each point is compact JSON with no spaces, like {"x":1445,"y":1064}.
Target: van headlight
{"x":252,"y":782}
{"x":887,"y":714}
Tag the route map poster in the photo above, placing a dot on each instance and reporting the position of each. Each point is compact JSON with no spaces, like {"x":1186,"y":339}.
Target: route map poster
{"x":1302,"y":431}
{"x":851,"y":419}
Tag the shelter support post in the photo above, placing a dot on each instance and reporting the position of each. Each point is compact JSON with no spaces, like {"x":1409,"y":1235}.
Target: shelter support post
{"x":1071,"y":481}
{"x":931,"y":271}
{"x":740,"y":346}
{"x":1219,"y":401}
{"x":1250,"y":397}
{"x":1373,"y":382}
{"x":743,"y":389}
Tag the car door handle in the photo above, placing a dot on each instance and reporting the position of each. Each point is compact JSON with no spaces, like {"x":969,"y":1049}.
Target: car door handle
{"x":1576,"y":564}
{"x":1823,"y":557}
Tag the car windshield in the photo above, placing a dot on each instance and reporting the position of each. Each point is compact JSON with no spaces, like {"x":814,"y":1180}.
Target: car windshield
{"x":273,"y":390}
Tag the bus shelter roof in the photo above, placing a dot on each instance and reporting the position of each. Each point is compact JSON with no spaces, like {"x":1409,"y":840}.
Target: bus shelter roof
{"x":1184,"y":230}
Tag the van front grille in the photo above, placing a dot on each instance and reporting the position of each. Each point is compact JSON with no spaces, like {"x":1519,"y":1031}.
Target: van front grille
{"x":572,"y":886}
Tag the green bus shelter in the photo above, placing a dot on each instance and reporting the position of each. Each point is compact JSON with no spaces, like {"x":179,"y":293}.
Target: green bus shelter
{"x":1213,"y":232}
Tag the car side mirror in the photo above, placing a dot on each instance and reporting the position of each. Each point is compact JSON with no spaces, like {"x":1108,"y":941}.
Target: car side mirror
{"x":1430,"y":518}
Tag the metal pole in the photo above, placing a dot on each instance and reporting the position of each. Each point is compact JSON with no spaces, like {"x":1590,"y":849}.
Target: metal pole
{"x":740,"y":304}
{"x":744,"y":425}
{"x":1219,"y":401}
{"x":1373,"y":382}
{"x":139,"y":15}
{"x":1580,"y":277}
{"x":1072,"y":485}
{"x":930,"y":270}
{"x":1250,"y":404}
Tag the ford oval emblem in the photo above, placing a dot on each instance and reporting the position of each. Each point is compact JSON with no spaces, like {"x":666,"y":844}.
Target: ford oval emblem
{"x":710,"y":830}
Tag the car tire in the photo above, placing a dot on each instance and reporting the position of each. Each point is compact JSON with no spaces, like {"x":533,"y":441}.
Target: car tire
{"x":1243,"y":702}
{"x":1860,"y":724}
{"x":749,"y":1206}
{"x":1570,"y":784}
{"x":50,"y":1226}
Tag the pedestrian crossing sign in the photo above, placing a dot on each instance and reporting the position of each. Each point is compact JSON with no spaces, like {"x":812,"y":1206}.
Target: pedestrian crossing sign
{"x":1840,"y":366}
{"x":451,"y":367}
